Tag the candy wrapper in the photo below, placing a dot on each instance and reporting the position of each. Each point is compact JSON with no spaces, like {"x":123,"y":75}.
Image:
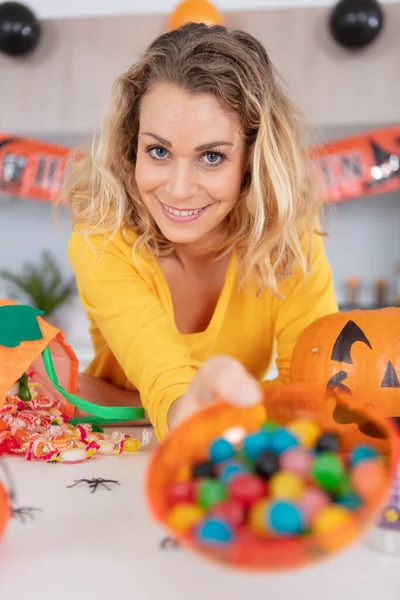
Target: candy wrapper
{"x":34,"y":426}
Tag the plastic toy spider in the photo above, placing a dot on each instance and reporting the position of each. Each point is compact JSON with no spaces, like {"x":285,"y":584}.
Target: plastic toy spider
{"x":95,"y":482}
{"x":168,"y":543}
{"x":24,"y":512}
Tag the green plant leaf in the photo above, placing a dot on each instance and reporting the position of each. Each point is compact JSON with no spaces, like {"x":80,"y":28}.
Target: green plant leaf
{"x":42,"y":285}
{"x":18,"y":323}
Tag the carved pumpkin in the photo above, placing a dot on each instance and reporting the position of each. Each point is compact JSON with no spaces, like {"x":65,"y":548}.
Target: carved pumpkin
{"x":189,"y":443}
{"x":24,"y":335}
{"x":357,"y":352}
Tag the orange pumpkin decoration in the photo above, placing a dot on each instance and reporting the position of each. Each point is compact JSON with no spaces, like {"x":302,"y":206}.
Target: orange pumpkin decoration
{"x":24,"y":335}
{"x":5,"y":510}
{"x":189,"y":444}
{"x":357,"y":352}
{"x":195,"y":11}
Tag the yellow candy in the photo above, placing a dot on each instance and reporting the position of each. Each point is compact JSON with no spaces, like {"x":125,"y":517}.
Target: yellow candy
{"x":286,"y":485}
{"x":331,"y":519}
{"x":307,"y":432}
{"x":184,"y":474}
{"x":183,"y":517}
{"x":256,"y":519}
{"x":131,"y":445}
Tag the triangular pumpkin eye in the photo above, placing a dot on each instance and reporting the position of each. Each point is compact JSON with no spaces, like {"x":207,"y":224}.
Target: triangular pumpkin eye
{"x":350,"y":334}
{"x":390,"y":379}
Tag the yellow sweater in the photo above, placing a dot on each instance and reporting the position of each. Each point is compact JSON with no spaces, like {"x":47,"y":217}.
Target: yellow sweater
{"x":135,"y":339}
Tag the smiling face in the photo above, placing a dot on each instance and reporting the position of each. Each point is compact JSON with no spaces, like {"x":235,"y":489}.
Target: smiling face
{"x":357,"y":352}
{"x":190,"y":166}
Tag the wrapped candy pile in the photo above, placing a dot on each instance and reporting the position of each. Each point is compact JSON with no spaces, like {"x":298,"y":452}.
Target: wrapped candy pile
{"x":33,"y":426}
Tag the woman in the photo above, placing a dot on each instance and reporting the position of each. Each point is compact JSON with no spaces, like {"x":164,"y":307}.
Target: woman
{"x":196,"y":229}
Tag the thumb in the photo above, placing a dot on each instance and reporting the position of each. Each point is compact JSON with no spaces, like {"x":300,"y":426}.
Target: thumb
{"x":226,"y":378}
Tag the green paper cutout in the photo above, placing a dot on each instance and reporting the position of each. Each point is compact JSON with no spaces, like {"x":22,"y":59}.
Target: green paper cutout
{"x":18,"y":323}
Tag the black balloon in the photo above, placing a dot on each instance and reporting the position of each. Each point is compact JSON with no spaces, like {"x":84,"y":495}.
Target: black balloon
{"x":19,"y":29}
{"x":356,"y":23}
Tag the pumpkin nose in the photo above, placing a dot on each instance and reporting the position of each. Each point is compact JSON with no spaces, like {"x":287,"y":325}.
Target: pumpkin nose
{"x":390,"y":379}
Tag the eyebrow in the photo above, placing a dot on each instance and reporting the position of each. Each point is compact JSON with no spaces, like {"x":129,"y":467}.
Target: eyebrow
{"x":165,"y":142}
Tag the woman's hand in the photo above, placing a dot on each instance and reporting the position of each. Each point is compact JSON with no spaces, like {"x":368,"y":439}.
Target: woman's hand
{"x":219,"y":377}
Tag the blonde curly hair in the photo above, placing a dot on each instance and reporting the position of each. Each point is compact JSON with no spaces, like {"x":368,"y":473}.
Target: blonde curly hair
{"x":279,"y":203}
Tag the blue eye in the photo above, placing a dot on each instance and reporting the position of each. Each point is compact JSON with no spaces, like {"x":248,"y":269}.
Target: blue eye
{"x":213,"y":158}
{"x":158,"y":152}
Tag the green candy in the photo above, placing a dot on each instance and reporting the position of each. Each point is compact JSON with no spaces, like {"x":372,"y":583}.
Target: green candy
{"x":329,"y":472}
{"x":24,"y":393}
{"x":210,"y":492}
{"x":270,"y":426}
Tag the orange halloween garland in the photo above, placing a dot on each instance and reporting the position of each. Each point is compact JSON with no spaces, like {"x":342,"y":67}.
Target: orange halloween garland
{"x":360,"y":165}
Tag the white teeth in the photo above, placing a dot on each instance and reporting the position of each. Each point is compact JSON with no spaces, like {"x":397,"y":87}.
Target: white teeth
{"x":182,"y":213}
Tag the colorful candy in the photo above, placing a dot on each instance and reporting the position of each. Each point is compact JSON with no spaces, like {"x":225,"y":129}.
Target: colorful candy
{"x":247,"y":489}
{"x":35,"y":427}
{"x":276,"y":482}
{"x":328,"y":471}
{"x":285,"y":518}
{"x":210,"y":492}
{"x":282,"y":440}
{"x":367,"y":477}
{"x":221,"y":450}
{"x":180,"y":492}
{"x":231,"y":470}
{"x":204,"y":470}
{"x":286,"y":485}
{"x":184,"y":517}
{"x":257,"y":519}
{"x":306,"y":432}
{"x":267,"y":464}
{"x":297,"y":461}
{"x":328,"y":442}
{"x":361,"y":453}
{"x":231,"y":511}
{"x":311,"y":502}
{"x":214,"y":531}
{"x":331,"y":519}
{"x":256,"y":444}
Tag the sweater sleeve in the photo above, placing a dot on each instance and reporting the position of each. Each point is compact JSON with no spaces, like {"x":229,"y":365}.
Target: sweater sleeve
{"x":305,"y":300}
{"x":133,"y":323}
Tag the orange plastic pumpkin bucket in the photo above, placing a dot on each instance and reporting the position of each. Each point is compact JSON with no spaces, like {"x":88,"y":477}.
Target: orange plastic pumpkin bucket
{"x":332,"y":411}
{"x":23,"y":352}
{"x":5,"y":511}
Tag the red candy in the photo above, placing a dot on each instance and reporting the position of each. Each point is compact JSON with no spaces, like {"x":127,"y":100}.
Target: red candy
{"x":231,"y":511}
{"x":180,"y":492}
{"x":247,"y":489}
{"x":367,"y":477}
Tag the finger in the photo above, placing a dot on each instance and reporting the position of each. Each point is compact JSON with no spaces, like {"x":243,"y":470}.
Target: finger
{"x":226,"y":378}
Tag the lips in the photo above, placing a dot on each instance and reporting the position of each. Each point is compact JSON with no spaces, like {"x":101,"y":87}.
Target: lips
{"x":177,"y":215}
{"x":188,"y":212}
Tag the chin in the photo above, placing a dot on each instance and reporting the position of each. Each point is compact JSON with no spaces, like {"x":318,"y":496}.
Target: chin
{"x":181,"y":237}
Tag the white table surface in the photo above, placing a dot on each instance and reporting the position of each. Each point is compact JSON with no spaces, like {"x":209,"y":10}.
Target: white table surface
{"x":105,"y":545}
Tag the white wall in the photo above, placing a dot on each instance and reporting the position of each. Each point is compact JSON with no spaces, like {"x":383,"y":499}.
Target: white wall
{"x":54,"y":9}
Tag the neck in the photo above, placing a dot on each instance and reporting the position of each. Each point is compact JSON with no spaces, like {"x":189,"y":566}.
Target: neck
{"x":202,"y":251}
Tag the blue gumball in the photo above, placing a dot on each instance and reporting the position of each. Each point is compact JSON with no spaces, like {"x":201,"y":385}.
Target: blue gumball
{"x":214,"y":531}
{"x":283,"y":440}
{"x":221,"y":450}
{"x":285,"y":518}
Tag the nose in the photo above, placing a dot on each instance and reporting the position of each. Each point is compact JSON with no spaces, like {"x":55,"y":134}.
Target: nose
{"x":182,"y":182}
